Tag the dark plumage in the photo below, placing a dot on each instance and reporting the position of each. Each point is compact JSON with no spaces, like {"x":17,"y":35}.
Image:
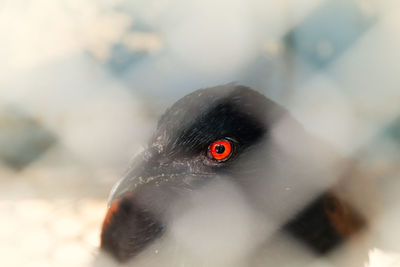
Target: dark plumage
{"x":284,"y":174}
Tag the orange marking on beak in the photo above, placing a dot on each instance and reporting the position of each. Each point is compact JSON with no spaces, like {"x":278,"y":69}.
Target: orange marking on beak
{"x":110,"y":213}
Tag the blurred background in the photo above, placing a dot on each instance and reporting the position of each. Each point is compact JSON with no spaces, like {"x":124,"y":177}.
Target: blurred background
{"x":82,"y":84}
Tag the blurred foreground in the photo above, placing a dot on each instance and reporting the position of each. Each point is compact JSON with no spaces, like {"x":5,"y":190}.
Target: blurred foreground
{"x":83,"y":83}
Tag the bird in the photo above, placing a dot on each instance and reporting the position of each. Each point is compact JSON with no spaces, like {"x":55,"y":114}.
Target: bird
{"x":230,"y":178}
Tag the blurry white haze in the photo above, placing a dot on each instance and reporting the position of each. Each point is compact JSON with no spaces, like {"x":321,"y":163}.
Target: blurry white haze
{"x":83,"y":83}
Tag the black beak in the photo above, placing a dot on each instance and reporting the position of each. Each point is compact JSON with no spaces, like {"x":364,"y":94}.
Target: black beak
{"x":139,"y":202}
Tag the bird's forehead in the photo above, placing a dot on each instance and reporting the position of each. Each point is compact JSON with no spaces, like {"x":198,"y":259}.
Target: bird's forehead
{"x":205,"y":101}
{"x":193,"y":107}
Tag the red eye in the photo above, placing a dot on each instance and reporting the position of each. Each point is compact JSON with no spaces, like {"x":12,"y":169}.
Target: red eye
{"x":220,"y":149}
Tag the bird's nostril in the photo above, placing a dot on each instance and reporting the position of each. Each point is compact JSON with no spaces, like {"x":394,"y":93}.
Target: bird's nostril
{"x":164,"y":161}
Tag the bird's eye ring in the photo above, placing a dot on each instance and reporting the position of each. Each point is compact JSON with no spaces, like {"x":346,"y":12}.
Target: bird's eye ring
{"x":220,"y":150}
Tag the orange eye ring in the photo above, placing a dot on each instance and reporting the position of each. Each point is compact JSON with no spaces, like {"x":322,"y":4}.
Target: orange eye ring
{"x":220,"y":150}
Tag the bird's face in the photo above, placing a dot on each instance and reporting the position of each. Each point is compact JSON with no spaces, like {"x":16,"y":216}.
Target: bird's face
{"x":225,"y":168}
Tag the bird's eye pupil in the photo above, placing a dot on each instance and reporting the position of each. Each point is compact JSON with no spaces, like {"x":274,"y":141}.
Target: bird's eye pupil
{"x":220,"y":149}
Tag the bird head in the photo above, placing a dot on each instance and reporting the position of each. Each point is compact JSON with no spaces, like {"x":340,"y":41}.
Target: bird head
{"x":225,"y":169}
